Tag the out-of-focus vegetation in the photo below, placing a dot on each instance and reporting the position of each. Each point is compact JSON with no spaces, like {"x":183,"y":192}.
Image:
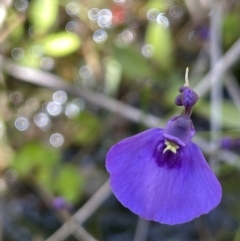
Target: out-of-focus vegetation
{"x":54,"y":141}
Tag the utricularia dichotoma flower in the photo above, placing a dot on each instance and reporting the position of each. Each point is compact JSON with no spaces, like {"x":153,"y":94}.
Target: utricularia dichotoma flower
{"x":160,"y":174}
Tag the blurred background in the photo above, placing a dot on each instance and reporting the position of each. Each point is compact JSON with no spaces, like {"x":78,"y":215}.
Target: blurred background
{"x":78,"y":76}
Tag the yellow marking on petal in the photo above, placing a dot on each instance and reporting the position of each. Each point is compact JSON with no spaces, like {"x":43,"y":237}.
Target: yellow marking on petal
{"x":171,"y":147}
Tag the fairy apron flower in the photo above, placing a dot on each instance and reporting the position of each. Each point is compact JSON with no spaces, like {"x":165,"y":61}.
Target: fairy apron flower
{"x":160,"y":174}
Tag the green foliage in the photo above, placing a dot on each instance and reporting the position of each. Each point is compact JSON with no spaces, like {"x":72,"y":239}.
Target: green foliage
{"x":33,"y":157}
{"x":41,"y":163}
{"x":231,"y":30}
{"x":88,"y":128}
{"x":160,"y":37}
{"x":30,"y":60}
{"x":60,"y":44}
{"x":17,"y":34}
{"x":230,"y":114}
{"x":68,"y":182}
{"x":134,"y":65}
{"x":113,"y":73}
{"x":43,"y":15}
{"x":162,"y":6}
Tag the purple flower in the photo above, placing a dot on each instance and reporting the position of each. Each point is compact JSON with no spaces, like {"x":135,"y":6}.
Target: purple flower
{"x":61,"y":203}
{"x":161,"y":175}
{"x":229,"y":143}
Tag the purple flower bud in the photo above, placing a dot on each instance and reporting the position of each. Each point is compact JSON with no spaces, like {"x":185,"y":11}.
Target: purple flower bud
{"x":61,"y":203}
{"x":226,"y":143}
{"x":203,"y":32}
{"x":229,"y":143}
{"x":161,"y":175}
{"x":187,"y":97}
{"x":182,"y":88}
{"x":178,"y":101}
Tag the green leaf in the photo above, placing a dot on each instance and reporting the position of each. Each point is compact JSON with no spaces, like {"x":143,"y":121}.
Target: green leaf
{"x":30,"y":60}
{"x":17,"y":34}
{"x":231,"y":30}
{"x":88,"y":128}
{"x":69,"y":183}
{"x":113,"y":73}
{"x":230,"y":114}
{"x":162,"y":6}
{"x":160,"y":38}
{"x":60,"y":44}
{"x":33,"y":156}
{"x":43,"y":14}
{"x":134,"y":65}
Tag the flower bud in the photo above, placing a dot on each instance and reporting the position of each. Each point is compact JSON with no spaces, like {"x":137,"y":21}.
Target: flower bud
{"x":187,"y":97}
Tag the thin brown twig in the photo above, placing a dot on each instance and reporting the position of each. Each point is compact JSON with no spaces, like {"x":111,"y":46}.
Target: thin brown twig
{"x":82,"y":214}
{"x":141,"y":230}
{"x":78,"y":231}
{"x":45,"y":79}
{"x":81,"y":234}
{"x":216,"y":84}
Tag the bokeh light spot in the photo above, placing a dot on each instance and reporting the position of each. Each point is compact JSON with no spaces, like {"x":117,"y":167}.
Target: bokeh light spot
{"x":10,"y":175}
{"x":37,"y":50}
{"x":17,"y":53}
{"x":148,"y":50}
{"x":176,"y":12}
{"x":124,"y":38}
{"x":100,"y":36}
{"x":72,"y":9}
{"x":16,"y":97}
{"x":33,"y":103}
{"x":162,"y":20}
{"x":47,"y":63}
{"x":21,"y":5}
{"x":86,"y":72}
{"x":93,"y":14}
{"x":22,"y":123}
{"x":72,"y":26}
{"x":72,"y":110}
{"x":60,"y":97}
{"x":104,"y":18}
{"x":54,"y":108}
{"x":104,"y":22}
{"x":56,"y":139}
{"x":41,"y":120}
{"x":152,"y":14}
